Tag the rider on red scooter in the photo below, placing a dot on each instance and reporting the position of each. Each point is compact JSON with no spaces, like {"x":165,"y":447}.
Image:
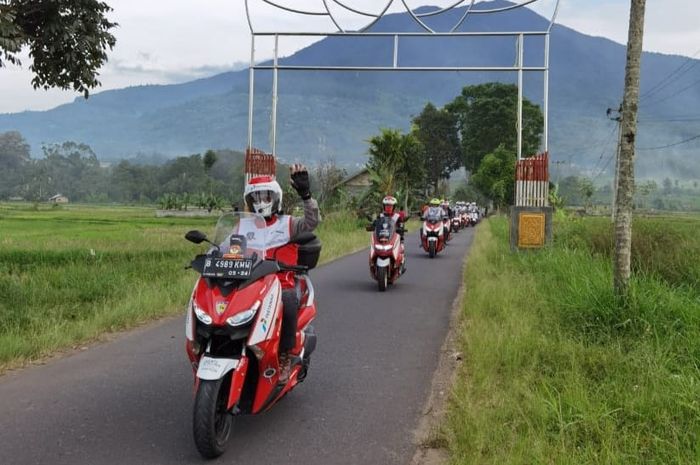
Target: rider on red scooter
{"x":263,"y":196}
{"x":398,"y":218}
{"x":389,"y":210}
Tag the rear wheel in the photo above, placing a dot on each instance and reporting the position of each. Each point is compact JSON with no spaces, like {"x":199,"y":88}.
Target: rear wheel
{"x":212,"y":423}
{"x":431,"y":250}
{"x":382,"y":278}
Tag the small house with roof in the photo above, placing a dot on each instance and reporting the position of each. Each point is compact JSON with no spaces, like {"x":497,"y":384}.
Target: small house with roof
{"x":356,"y":184}
{"x":58,"y":198}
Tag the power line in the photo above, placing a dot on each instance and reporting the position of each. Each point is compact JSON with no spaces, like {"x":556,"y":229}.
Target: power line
{"x":670,"y":120}
{"x":670,"y":77}
{"x":606,"y":144}
{"x":671,"y":145}
{"x":663,"y":99}
{"x":604,"y":168}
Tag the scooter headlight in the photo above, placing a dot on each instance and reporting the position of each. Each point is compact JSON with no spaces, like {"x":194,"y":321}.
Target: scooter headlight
{"x":239,"y":319}
{"x":202,"y":315}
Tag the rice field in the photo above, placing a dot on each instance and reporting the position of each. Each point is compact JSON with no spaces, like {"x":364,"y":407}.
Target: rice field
{"x":72,"y":273}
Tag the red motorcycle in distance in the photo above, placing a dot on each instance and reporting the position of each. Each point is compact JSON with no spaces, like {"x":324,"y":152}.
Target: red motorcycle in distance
{"x":446,"y":227}
{"x":387,"y":255}
{"x":433,"y":232}
{"x":233,"y":325}
{"x":474,"y":218}
{"x":456,"y":224}
{"x":464,"y":219}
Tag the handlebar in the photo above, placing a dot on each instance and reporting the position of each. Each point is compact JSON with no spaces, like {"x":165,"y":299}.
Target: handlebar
{"x":294,"y":268}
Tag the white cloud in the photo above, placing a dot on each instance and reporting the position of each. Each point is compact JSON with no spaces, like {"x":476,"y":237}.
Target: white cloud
{"x":165,"y":41}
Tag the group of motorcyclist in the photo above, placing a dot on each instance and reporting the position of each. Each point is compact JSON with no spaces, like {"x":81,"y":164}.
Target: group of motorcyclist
{"x":263,"y":196}
{"x":452,"y":210}
{"x":285,"y":244}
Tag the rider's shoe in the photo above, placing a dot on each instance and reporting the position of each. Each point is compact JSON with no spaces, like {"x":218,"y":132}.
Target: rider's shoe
{"x":285,"y":368}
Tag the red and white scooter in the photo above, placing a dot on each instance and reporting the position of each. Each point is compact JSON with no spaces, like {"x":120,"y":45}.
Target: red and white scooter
{"x":433,"y":232}
{"x":387,"y":255}
{"x":233,"y":325}
{"x":464,"y":218}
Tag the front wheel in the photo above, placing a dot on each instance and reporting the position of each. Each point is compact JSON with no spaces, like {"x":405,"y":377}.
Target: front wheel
{"x":212,"y":423}
{"x":431,"y":249}
{"x":382,"y":278}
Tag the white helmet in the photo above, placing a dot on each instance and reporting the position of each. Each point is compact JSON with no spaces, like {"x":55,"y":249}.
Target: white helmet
{"x":263,"y":196}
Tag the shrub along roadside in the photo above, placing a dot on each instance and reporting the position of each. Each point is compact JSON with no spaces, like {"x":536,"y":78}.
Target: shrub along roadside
{"x":555,"y":373}
{"x":68,"y":276}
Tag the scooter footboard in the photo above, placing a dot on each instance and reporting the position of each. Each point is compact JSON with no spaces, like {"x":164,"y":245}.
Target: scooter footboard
{"x":306,"y":314}
{"x":310,"y":341}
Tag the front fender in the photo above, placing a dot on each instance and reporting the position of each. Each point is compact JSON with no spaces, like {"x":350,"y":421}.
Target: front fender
{"x":383,"y":262}
{"x":215,"y":368}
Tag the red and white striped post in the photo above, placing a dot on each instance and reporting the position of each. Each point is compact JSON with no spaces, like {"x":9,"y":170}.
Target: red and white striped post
{"x":258,"y":163}
{"x":532,"y":181}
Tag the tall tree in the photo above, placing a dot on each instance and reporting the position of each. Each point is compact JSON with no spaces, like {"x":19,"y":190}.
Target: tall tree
{"x":67,"y":40}
{"x":209,"y":160}
{"x":487,"y":116}
{"x":495,"y":176}
{"x":436,"y":130}
{"x":395,"y":163}
{"x":71,"y":169}
{"x":184,"y":174}
{"x":412,"y":176}
{"x":14,"y":150}
{"x":625,"y":178}
{"x":14,"y":161}
{"x":385,"y":159}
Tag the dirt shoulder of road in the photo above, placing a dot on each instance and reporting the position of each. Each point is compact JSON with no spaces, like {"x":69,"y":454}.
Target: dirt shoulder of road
{"x":430,"y":446}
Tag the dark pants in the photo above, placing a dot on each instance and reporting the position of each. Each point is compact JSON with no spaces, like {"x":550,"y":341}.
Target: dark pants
{"x":290,"y":317}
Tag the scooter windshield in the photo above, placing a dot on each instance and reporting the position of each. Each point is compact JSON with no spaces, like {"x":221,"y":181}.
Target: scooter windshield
{"x":434,"y":214}
{"x":242,"y":235}
{"x":384,"y":228}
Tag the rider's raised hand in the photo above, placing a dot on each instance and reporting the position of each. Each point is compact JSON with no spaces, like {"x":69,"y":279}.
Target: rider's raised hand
{"x":300,"y":180}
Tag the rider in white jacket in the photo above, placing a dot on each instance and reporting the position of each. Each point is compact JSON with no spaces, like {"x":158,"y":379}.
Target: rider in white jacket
{"x":263,"y":196}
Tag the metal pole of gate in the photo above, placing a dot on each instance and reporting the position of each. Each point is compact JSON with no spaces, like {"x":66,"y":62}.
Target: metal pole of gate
{"x":251,"y":91}
{"x":545,"y":133}
{"x":274,"y":99}
{"x":521,"y":44}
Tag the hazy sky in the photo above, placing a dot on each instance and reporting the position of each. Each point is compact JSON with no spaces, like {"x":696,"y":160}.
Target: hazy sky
{"x":169,"y":41}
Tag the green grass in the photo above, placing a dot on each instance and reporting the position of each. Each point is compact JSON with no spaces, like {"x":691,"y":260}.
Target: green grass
{"x":70,"y":274}
{"x":556,"y":373}
{"x":666,"y":247}
{"x":341,"y":234}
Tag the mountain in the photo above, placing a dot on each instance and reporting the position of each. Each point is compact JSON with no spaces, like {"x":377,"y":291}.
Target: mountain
{"x":323,"y":114}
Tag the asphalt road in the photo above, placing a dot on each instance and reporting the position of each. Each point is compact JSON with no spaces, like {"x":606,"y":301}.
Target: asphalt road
{"x":129,"y":401}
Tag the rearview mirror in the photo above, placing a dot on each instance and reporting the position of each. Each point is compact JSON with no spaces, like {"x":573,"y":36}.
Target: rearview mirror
{"x":196,"y":236}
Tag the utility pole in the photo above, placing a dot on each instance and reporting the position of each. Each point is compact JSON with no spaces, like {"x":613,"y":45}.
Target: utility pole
{"x":625,"y":178}
{"x":618,"y":118}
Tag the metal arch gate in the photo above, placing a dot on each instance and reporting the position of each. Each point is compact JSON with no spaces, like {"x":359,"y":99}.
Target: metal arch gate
{"x":470,"y":9}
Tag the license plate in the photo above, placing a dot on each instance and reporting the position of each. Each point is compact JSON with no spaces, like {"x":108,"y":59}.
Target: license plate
{"x":227,"y":268}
